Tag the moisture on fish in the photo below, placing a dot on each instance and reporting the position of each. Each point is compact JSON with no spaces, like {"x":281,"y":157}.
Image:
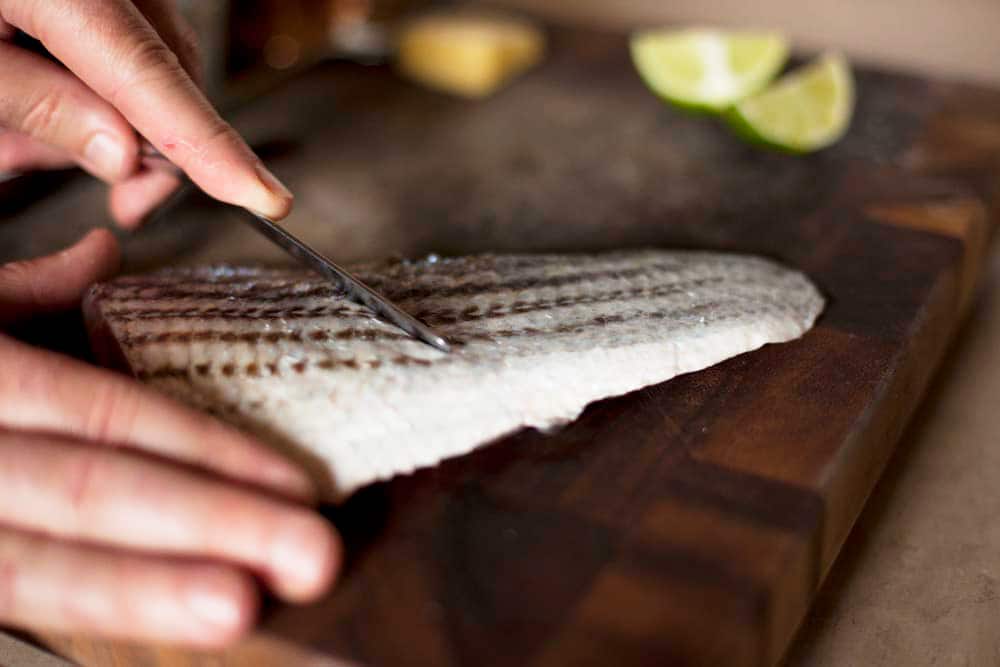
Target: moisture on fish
{"x":535,"y":339}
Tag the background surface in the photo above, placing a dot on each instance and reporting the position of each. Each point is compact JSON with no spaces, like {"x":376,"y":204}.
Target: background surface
{"x":954,"y":37}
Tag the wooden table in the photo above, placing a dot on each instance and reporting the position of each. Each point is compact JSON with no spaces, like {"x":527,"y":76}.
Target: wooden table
{"x":691,"y":522}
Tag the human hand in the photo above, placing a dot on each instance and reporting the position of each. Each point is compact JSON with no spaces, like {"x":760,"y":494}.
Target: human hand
{"x":130,"y":65}
{"x":126,"y":515}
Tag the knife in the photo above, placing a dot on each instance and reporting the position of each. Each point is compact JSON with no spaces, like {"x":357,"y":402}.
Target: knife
{"x":355,"y":290}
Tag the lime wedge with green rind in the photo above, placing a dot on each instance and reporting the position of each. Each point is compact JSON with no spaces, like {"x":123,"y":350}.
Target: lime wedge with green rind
{"x":804,"y":111}
{"x":707,"y":70}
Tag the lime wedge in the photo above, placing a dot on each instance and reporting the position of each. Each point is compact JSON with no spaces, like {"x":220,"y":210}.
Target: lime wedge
{"x":804,"y":111}
{"x":707,"y":70}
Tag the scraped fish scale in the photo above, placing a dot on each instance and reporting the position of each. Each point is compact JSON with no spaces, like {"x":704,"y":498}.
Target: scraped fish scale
{"x":536,"y":338}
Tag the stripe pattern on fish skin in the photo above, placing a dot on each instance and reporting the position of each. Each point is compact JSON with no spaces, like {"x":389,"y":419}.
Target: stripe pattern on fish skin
{"x":536,"y":339}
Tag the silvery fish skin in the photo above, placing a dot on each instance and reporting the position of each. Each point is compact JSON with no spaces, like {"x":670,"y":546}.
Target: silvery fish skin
{"x":536,"y":338}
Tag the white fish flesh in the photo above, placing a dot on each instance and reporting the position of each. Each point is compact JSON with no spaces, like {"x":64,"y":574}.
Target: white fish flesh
{"x":536,"y":338}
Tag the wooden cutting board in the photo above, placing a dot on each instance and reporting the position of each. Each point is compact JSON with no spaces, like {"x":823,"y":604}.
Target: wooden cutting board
{"x":688,"y":523}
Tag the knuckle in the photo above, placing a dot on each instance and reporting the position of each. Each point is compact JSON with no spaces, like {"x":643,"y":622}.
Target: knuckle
{"x":83,"y":480}
{"x":19,"y":385}
{"x":19,"y":278}
{"x":43,"y":114}
{"x":151,"y":53}
{"x":219,"y":140}
{"x":148,"y":61}
{"x":111,"y":412}
{"x":16,"y":274}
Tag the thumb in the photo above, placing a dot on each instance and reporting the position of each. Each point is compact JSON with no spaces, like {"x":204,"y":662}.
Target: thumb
{"x":56,"y":282}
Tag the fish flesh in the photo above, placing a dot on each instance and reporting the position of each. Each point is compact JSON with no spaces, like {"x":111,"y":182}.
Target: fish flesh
{"x":536,"y":338}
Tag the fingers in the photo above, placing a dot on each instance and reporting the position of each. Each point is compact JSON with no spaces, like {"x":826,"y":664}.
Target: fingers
{"x":67,"y":588}
{"x":52,"y":106}
{"x":45,"y":392}
{"x":121,"y":57}
{"x":19,"y":152}
{"x":96,"y":494}
{"x":56,"y":282}
{"x":135,"y":198}
{"x":174,"y":29}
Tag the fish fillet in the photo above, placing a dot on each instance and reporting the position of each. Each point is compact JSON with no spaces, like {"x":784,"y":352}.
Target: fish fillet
{"x":536,"y":338}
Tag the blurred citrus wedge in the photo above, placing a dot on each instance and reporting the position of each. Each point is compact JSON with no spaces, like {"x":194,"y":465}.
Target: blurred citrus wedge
{"x":805,"y":111}
{"x":707,"y":70}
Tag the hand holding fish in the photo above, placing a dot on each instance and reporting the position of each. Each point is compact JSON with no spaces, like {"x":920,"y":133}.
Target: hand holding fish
{"x":129,"y":66}
{"x":127,"y":515}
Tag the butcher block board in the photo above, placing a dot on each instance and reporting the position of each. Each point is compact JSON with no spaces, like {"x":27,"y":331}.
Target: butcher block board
{"x":689,"y":523}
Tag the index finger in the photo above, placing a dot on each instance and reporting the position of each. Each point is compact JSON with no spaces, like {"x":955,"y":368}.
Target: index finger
{"x":96,"y":495}
{"x":44,"y":392}
{"x":112,"y":47}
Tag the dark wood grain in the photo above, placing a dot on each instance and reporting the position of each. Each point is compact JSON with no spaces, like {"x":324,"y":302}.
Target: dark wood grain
{"x":687,"y":523}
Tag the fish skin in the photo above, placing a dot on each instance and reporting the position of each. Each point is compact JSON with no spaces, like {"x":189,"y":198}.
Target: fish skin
{"x":536,"y":339}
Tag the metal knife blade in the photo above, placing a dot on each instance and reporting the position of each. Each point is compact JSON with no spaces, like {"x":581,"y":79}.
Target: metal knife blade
{"x":354,"y":289}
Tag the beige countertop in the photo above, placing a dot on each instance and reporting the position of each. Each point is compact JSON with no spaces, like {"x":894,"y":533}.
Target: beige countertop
{"x":918,"y":582}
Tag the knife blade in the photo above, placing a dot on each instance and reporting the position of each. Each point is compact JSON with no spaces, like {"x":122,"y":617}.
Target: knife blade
{"x":353,"y":288}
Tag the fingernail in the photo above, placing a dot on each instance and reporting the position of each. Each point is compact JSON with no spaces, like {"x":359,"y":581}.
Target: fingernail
{"x":105,"y":155}
{"x":272,"y":184}
{"x":212,"y":604}
{"x":295,"y":558}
